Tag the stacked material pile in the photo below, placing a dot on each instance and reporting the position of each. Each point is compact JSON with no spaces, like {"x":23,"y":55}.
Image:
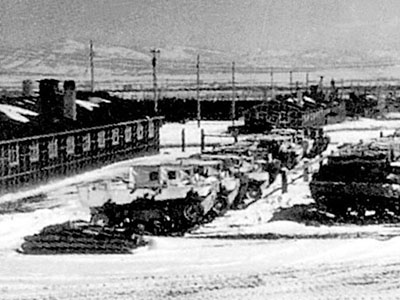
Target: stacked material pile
{"x":81,"y":238}
{"x":361,"y":177}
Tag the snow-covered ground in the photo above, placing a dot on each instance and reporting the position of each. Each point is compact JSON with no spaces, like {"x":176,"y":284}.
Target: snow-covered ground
{"x":172,"y":133}
{"x":237,"y":256}
{"x":361,"y":129}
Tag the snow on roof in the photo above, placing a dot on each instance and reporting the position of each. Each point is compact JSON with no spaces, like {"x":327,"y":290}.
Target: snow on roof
{"x":16,"y":113}
{"x":86,"y":104}
{"x":308,"y":99}
{"x":199,"y":162}
{"x":283,"y":130}
{"x":395,"y":164}
{"x":98,"y":100}
{"x":29,"y":101}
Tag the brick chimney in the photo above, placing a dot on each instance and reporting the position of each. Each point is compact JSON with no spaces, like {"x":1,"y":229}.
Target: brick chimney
{"x":69,"y":111}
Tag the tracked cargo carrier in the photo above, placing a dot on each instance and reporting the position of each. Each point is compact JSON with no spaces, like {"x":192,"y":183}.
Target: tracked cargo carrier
{"x":169,"y":198}
{"x":360,"y":178}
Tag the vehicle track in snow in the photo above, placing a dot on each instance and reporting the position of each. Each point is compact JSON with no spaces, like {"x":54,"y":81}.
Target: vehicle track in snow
{"x":342,"y":281}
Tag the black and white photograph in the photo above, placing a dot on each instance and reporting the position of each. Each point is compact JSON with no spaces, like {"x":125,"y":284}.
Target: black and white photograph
{"x":187,"y":149}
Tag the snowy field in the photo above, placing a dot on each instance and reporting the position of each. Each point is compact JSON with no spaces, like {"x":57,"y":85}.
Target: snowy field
{"x":242,"y":255}
{"x":172,"y":133}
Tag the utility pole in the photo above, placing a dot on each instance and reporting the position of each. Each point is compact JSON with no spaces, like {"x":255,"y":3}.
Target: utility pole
{"x":91,"y":56}
{"x":154,"y":64}
{"x":307,"y":81}
{"x":198,"y":91}
{"x":378,"y":93}
{"x":233,"y":94}
{"x":370,"y":86}
{"x":272,"y":83}
{"x":342,"y":89}
{"x":290,"y":81}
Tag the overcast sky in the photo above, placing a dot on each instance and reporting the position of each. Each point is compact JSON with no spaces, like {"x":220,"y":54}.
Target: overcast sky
{"x":229,"y":25}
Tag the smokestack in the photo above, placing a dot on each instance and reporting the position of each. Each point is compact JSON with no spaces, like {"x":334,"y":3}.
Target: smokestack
{"x":48,"y":104}
{"x":332,"y":94}
{"x":27,"y":88}
{"x":69,"y":111}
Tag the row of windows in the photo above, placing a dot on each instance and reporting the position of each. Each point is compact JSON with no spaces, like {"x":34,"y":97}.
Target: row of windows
{"x":52,"y":145}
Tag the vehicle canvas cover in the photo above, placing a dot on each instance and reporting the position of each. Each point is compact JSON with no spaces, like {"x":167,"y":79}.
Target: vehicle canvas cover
{"x":160,"y":175}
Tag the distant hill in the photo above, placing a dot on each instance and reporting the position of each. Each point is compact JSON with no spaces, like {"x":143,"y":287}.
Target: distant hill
{"x":69,"y":59}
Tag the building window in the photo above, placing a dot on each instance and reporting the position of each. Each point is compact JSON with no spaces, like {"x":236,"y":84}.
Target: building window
{"x":70,"y":145}
{"x":86,"y":142}
{"x":101,"y":139}
{"x":115,"y":137}
{"x":13,"y":155}
{"x":171,"y":175}
{"x":151,"y":129}
{"x":139,"y":132}
{"x":153,"y":176}
{"x":34,"y":152}
{"x":128,"y":134}
{"x":53,"y":149}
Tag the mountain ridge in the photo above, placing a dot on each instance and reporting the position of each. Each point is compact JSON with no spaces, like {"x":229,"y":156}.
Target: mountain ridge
{"x":67,"y":54}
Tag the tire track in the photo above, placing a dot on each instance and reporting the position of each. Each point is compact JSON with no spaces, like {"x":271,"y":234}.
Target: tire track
{"x":343,"y":281}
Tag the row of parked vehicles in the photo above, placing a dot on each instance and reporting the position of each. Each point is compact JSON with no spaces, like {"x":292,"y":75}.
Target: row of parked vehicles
{"x":172,"y":197}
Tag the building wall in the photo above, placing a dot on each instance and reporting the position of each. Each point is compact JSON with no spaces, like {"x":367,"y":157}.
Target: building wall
{"x":29,"y":161}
